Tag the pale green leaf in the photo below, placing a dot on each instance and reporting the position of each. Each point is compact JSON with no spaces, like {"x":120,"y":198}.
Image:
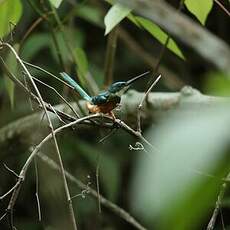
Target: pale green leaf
{"x":90,"y":14}
{"x":200,"y":9}
{"x":81,"y":60}
{"x":11,"y":62}
{"x":114,"y":16}
{"x":10,"y":12}
{"x":160,"y":35}
{"x":173,"y":185}
{"x":56,"y":3}
{"x":38,"y":41}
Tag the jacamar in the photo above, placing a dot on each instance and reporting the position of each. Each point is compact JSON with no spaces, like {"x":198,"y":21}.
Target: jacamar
{"x":107,"y":100}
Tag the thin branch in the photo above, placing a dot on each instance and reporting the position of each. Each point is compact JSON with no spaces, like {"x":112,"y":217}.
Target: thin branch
{"x":212,"y":221}
{"x":48,"y":73}
{"x":111,"y":206}
{"x":59,"y":95}
{"x":141,"y":103}
{"x":37,"y":189}
{"x":97,"y":181}
{"x":8,"y":192}
{"x":11,"y":171}
{"x":31,"y":95}
{"x":15,"y":193}
{"x":222,"y":7}
{"x":3,"y":216}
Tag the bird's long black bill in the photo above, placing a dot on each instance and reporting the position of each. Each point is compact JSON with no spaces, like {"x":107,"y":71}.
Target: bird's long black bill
{"x":136,"y":78}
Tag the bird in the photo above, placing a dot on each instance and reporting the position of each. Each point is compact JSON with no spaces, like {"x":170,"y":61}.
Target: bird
{"x":107,"y":100}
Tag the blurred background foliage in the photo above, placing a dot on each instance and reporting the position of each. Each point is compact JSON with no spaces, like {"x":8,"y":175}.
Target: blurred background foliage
{"x":74,"y":36}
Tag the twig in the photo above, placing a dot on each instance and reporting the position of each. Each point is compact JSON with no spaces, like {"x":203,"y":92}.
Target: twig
{"x":59,"y":95}
{"x":212,"y":221}
{"x":10,"y":170}
{"x":10,"y":191}
{"x":47,"y":72}
{"x":15,"y":193}
{"x":97,"y":181}
{"x":110,"y":56}
{"x":33,"y":96}
{"x":222,"y":7}
{"x":3,"y":216}
{"x":37,"y":189}
{"x":111,"y":206}
{"x":141,"y":103}
{"x":111,"y":132}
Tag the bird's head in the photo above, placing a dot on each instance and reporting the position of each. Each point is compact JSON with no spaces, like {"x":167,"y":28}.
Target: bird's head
{"x":118,"y":88}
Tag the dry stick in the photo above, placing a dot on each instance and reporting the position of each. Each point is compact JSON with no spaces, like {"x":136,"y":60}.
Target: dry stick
{"x":141,"y":104}
{"x":97,"y":181}
{"x":110,"y":205}
{"x":62,"y":98}
{"x":11,"y":171}
{"x":25,"y":167}
{"x":48,"y":73}
{"x":3,"y":216}
{"x":212,"y":221}
{"x":33,"y":96}
{"x":155,"y":71}
{"x":15,"y":193}
{"x":222,"y":7}
{"x":222,"y":219}
{"x":65,"y":116}
{"x":110,"y":56}
{"x":37,"y":189}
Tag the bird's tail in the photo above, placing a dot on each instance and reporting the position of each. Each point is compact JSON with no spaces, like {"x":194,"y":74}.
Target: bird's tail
{"x":77,"y":87}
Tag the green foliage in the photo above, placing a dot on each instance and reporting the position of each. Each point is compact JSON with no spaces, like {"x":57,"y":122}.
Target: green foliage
{"x":114,"y":16}
{"x":10,"y":12}
{"x":171,"y":185}
{"x":90,"y":14}
{"x":81,"y":60}
{"x":200,"y":9}
{"x":159,"y":34}
{"x":56,"y":3}
{"x":218,"y":84}
{"x":38,"y":41}
{"x":109,"y":170}
{"x":11,"y":62}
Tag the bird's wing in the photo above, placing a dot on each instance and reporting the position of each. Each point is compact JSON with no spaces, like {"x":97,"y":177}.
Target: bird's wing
{"x":77,"y":87}
{"x":101,"y":98}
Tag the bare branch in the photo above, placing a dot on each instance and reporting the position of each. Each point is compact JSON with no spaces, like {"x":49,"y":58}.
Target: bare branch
{"x":111,"y":206}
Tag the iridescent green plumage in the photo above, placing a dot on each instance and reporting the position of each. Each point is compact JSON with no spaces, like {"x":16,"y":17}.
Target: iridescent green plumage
{"x":107,"y":100}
